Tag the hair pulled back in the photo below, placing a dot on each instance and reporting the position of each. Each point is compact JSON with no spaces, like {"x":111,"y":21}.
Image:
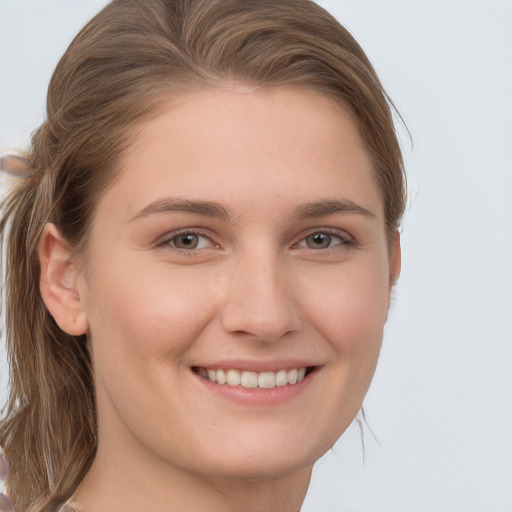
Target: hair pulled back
{"x":120,"y":69}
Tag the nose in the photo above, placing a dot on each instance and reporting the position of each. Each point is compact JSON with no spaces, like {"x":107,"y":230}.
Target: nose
{"x":260,"y":300}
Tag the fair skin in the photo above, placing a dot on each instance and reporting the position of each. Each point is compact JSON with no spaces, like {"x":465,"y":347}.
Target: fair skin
{"x":246,"y":233}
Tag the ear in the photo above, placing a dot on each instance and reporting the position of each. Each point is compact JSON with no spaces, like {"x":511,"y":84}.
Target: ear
{"x":58,"y":282}
{"x":395,"y":259}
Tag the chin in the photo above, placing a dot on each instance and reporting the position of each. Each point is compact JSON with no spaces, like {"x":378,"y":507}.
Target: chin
{"x":269,"y":455}
{"x":260,"y":468}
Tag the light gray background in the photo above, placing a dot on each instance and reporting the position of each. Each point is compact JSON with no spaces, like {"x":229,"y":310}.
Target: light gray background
{"x":440,"y":404}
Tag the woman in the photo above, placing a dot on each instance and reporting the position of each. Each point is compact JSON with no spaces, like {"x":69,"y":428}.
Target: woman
{"x":200,"y":263}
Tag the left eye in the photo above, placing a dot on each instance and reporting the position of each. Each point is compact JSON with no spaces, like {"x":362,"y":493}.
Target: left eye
{"x":322,"y":241}
{"x":190,"y":241}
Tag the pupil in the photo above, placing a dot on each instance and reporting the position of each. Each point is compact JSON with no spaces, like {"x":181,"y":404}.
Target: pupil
{"x":187,"y":241}
{"x":320,"y":240}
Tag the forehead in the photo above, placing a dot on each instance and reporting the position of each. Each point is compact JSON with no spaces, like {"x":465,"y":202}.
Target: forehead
{"x":247,"y":147}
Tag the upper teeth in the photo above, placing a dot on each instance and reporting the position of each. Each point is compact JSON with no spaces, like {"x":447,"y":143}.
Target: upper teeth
{"x":248,"y":379}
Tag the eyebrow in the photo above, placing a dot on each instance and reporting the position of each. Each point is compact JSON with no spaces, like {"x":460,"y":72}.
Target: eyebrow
{"x":214,"y":209}
{"x":176,"y":204}
{"x":327,"y":207}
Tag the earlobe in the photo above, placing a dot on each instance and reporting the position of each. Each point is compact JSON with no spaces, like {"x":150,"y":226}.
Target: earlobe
{"x":58,"y":282}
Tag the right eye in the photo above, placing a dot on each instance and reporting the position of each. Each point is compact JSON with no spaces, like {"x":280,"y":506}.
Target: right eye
{"x":187,"y":241}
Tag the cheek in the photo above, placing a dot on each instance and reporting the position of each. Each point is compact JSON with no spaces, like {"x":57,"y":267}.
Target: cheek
{"x":137,"y":312}
{"x":350,"y":309}
{"x":351,"y":319}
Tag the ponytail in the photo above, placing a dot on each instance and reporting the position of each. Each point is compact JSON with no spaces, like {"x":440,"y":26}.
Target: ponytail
{"x":49,"y":428}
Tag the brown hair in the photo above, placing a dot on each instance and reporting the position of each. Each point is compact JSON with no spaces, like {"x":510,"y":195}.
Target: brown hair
{"x":125,"y":63}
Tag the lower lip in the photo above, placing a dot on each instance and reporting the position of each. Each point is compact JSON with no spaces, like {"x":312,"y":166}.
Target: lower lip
{"x":258,"y":396}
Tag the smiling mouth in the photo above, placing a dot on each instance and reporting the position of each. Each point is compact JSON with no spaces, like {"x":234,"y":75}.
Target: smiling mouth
{"x":252,"y":380}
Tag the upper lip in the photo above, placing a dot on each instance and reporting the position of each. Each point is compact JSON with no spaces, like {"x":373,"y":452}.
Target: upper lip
{"x":257,"y":365}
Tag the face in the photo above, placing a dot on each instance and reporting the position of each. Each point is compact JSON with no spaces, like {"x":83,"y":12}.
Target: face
{"x":243,"y":241}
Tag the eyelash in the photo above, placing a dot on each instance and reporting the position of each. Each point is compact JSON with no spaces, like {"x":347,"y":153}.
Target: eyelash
{"x":345,"y":241}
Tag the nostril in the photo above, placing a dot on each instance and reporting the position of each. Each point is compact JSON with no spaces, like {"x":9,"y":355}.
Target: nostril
{"x":267,"y":322}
